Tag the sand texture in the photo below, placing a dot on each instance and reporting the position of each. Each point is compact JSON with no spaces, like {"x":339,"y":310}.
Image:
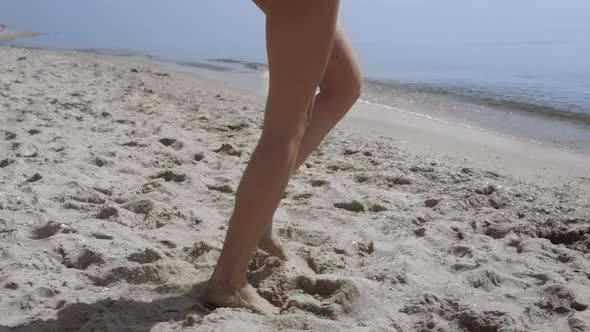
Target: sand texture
{"x":117,"y":179}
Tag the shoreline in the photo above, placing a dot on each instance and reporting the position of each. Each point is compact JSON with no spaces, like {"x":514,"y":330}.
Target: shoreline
{"x":482,"y":149}
{"x":118,"y":177}
{"x":502,"y":117}
{"x":430,"y":136}
{"x":257,"y":83}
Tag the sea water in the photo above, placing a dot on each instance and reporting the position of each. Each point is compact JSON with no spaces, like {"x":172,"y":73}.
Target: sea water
{"x":518,"y":68}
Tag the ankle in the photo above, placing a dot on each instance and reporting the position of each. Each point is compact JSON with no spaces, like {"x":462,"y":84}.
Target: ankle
{"x":219,"y":281}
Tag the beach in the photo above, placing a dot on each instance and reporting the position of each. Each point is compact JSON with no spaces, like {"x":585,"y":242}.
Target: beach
{"x":117,"y":179}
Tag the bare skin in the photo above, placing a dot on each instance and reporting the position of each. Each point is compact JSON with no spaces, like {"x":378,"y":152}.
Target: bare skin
{"x":295,"y":122}
{"x":339,"y":89}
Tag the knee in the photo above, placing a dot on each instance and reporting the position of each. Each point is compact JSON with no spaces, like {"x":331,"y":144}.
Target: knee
{"x":354,"y":89}
{"x":347,"y":91}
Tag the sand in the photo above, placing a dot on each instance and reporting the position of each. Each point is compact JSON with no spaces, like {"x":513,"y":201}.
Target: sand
{"x":12,"y":35}
{"x":116,"y":183}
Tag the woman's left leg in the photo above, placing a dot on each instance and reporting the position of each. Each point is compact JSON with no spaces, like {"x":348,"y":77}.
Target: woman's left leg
{"x":340,"y":87}
{"x":300,"y":34}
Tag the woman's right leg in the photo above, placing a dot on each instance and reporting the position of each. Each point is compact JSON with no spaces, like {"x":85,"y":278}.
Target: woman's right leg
{"x":299,"y":34}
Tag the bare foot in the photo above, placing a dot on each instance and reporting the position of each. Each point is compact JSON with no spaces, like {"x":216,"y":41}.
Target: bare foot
{"x":220,"y":294}
{"x":271,"y":243}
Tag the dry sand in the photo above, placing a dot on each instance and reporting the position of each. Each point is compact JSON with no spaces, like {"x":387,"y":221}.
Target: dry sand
{"x":117,"y":180}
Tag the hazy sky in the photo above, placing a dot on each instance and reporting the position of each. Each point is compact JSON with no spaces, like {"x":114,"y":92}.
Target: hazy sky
{"x":542,"y":45}
{"x":220,"y":25}
{"x":390,"y":36}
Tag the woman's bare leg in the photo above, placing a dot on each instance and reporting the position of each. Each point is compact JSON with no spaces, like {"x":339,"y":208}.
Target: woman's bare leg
{"x":339,"y":89}
{"x":299,"y":34}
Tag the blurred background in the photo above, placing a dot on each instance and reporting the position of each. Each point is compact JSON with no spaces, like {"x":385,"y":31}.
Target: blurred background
{"x":519,"y":68}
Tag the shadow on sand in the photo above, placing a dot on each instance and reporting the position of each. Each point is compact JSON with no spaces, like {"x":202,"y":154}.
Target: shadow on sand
{"x":121,"y":315}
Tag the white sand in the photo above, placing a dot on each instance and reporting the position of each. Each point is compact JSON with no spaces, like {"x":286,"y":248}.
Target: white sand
{"x":114,"y":195}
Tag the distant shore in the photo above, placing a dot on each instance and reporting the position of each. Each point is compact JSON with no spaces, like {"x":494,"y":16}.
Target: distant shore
{"x":12,"y":35}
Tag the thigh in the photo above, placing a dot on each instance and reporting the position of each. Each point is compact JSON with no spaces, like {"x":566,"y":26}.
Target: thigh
{"x":343,"y":72}
{"x":262,"y":4}
{"x":300,"y":34}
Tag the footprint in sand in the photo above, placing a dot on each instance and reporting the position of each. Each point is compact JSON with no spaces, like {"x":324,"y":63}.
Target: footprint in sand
{"x":321,"y":261}
{"x":79,"y":259}
{"x":326,"y":296}
{"x":134,"y":144}
{"x":376,"y":208}
{"x":199,"y":249}
{"x":462,"y":315}
{"x":432,"y":202}
{"x":498,"y":231}
{"x":350,"y":152}
{"x":484,"y":278}
{"x":228,"y":149}
{"x":125,"y":121}
{"x":143,"y":206}
{"x":101,"y":236}
{"x":341,"y":166}
{"x":36,"y":177}
{"x":490,"y":189}
{"x":172,"y":142}
{"x":378,"y":180}
{"x":107,"y":212}
{"x":6,"y":162}
{"x":474,"y":321}
{"x":420,"y":232}
{"x":169,"y":244}
{"x":145,"y":257}
{"x":224,"y":188}
{"x":422,"y":169}
{"x":559,"y":300}
{"x":170,"y":176}
{"x":84,"y":195}
{"x":572,"y":236}
{"x":498,"y":201}
{"x":318,"y":183}
{"x":143,"y":274}
{"x":365,"y":248}
{"x":263,"y":268}
{"x":99,"y":161}
{"x":352,"y":206}
{"x":50,"y":229}
{"x":8,"y":135}
{"x":309,"y":237}
{"x":199,"y":156}
{"x":461,"y":251}
{"x":302,"y":196}
{"x":239,"y":126}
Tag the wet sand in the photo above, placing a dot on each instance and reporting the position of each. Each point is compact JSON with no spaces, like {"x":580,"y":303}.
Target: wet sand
{"x":117,"y":179}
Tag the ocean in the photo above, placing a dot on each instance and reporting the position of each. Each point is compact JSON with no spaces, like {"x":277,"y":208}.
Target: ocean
{"x":516,"y":68}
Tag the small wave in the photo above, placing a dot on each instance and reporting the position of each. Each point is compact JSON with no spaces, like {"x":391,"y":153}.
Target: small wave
{"x":426,"y":116}
{"x":477,"y":96}
{"x":111,"y":51}
{"x":248,"y":64}
{"x":204,"y":65}
{"x":421,"y":115}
